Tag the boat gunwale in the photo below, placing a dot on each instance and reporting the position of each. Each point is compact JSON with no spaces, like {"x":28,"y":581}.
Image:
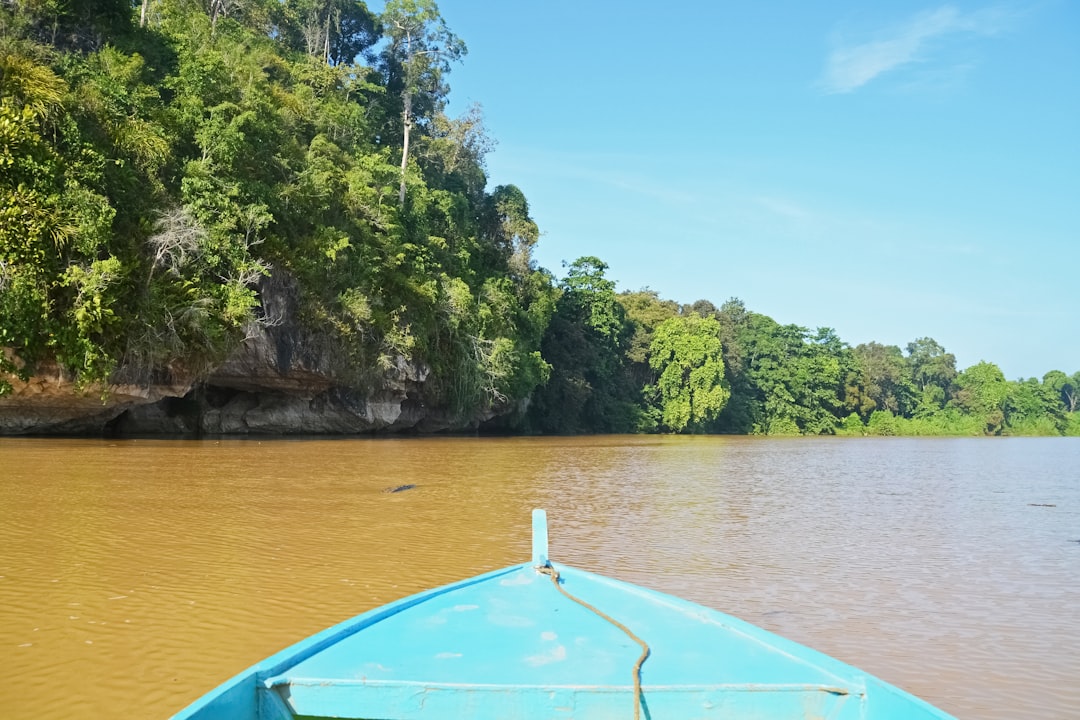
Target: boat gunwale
{"x":284,"y":681}
{"x":300,"y":651}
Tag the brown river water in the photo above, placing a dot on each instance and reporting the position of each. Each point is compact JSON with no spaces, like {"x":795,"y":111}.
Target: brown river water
{"x":137,"y":575}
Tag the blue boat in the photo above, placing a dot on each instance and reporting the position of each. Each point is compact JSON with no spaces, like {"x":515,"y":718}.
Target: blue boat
{"x":542,"y":640}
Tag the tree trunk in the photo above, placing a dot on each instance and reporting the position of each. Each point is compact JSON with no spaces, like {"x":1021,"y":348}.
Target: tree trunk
{"x":142,"y":14}
{"x":326,"y":40}
{"x":407,"y":113}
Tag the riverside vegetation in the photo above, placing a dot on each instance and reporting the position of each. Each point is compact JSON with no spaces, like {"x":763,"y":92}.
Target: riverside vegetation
{"x":159,"y":159}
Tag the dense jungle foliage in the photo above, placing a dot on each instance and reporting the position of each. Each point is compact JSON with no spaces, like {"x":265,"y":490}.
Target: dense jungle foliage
{"x":159,"y":159}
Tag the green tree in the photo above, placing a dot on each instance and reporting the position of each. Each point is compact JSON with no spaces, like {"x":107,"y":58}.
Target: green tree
{"x":589,"y":390}
{"x":828,"y":360}
{"x":742,"y":411}
{"x":1033,"y":408}
{"x":702,"y":307}
{"x":418,"y":57}
{"x":453,"y":154}
{"x":59,"y":278}
{"x":933,"y":371}
{"x":509,"y":233}
{"x":793,"y":379}
{"x":645,"y":312}
{"x":588,"y":294}
{"x":882,"y":381}
{"x":1067,"y":389}
{"x":852,"y":426}
{"x":74,"y":25}
{"x":981,"y":392}
{"x":686,"y":353}
{"x":152,"y":178}
{"x":335,"y":31}
{"x":884,"y":423}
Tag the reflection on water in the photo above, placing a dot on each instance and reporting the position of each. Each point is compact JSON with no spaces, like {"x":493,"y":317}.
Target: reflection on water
{"x":136,"y":575}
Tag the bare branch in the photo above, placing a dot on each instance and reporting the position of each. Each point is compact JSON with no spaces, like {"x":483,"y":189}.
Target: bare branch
{"x":176,"y":242}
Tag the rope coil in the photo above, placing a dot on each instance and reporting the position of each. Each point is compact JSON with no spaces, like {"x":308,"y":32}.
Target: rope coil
{"x":554,"y":575}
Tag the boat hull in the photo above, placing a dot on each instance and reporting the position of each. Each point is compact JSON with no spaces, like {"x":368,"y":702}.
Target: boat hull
{"x":543,"y":641}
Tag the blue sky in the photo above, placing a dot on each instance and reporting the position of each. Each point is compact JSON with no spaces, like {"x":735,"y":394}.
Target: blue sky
{"x":891,"y":170}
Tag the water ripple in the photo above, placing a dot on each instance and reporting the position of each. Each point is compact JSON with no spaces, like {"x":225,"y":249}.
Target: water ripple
{"x":137,"y":575}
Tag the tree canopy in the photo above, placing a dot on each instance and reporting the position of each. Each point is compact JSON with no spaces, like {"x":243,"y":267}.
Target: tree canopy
{"x":160,"y":162}
{"x":690,"y":387}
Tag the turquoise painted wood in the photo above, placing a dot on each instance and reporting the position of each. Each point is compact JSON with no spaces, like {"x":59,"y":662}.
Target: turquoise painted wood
{"x":508,"y":644}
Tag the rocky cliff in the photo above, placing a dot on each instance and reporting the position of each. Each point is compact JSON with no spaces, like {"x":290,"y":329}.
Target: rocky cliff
{"x":282,"y":379}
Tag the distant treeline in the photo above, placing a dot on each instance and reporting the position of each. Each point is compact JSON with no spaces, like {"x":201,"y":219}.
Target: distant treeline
{"x":635,"y":362}
{"x":159,"y":158}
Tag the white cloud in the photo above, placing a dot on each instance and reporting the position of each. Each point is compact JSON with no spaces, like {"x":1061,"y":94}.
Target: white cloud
{"x":852,"y":65}
{"x":784,"y":208}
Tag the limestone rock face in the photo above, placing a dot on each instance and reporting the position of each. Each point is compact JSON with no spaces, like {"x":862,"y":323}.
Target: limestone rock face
{"x":50,"y":403}
{"x":282,"y":379}
{"x":223,"y":410}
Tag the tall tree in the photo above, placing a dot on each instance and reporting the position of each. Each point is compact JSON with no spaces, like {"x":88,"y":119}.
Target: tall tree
{"x":646,"y":312}
{"x":982,"y":391}
{"x":740,"y":413}
{"x":454,"y":150}
{"x":789,"y":380}
{"x":882,"y":381}
{"x":420,"y":50}
{"x":337,"y":31}
{"x":933,"y":371}
{"x":591,"y":296}
{"x":1034,"y":408}
{"x":826,"y":363}
{"x":585,"y":343}
{"x":80,"y":25}
{"x":685,"y":352}
{"x":1067,"y":388}
{"x":508,"y":231}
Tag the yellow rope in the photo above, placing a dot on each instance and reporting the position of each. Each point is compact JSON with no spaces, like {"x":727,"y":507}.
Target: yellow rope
{"x":554,"y":575}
